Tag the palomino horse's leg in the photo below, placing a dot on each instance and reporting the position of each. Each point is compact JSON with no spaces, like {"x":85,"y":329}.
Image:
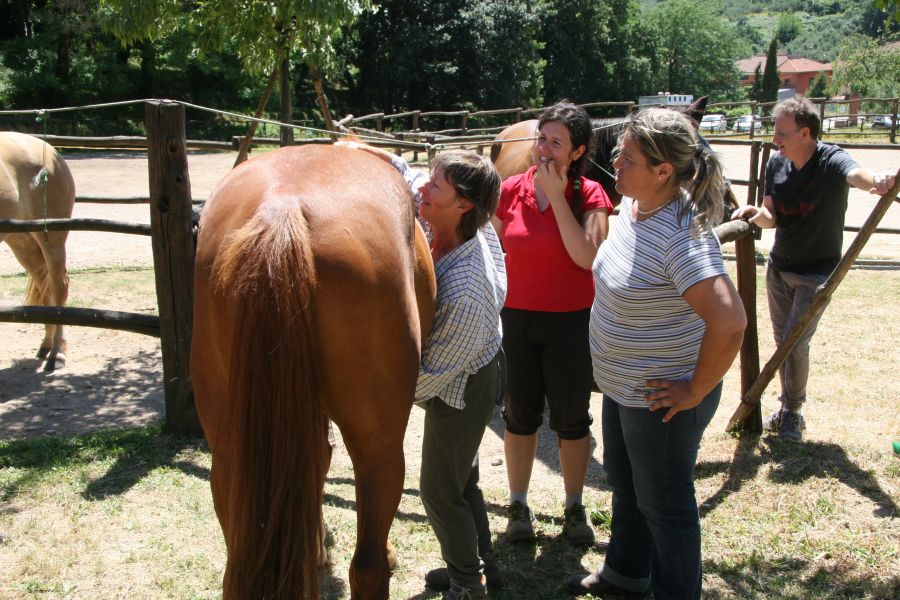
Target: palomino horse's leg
{"x":57,"y":292}
{"x":49,"y":286}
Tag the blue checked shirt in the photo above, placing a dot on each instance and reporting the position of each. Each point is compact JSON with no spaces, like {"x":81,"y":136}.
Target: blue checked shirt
{"x":471,"y":290}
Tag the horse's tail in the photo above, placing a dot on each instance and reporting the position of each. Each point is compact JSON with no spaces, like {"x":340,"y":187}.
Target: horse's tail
{"x":279,"y":429}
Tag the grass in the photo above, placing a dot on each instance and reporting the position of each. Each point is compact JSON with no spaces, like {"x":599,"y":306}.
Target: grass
{"x":128,"y":513}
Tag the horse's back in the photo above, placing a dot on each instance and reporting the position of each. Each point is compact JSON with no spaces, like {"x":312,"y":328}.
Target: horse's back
{"x":512,"y":158}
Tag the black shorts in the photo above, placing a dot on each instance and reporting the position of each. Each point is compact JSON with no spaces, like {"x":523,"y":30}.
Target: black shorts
{"x":547,"y":355}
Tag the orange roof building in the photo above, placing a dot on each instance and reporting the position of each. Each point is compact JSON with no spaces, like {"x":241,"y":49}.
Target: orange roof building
{"x":795,"y":71}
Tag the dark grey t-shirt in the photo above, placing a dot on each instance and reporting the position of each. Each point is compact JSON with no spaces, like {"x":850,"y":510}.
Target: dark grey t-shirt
{"x":809,"y":209}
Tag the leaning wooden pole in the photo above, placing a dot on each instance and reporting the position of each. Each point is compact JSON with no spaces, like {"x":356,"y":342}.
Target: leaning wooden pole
{"x":751,"y":399}
{"x":260,"y":109}
{"x":171,"y":213}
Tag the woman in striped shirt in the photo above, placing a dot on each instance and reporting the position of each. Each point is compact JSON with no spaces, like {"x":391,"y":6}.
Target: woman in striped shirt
{"x":665,"y":326}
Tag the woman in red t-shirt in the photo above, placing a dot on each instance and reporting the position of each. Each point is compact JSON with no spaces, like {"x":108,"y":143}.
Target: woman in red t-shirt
{"x":551,"y":221}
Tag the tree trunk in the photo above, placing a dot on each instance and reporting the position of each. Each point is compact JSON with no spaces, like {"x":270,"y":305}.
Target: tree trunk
{"x":251,"y":129}
{"x":320,"y":96}
{"x":287,"y":114}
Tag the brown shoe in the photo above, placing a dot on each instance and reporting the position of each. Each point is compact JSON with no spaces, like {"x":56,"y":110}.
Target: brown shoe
{"x":579,"y":585}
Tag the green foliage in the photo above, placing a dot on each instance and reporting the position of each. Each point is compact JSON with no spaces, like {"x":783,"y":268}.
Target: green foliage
{"x":867,"y":68}
{"x":698,"y":49}
{"x":260,"y":31}
{"x":819,"y":87}
{"x":422,"y":54}
{"x":789,"y":27}
{"x":890,"y":7}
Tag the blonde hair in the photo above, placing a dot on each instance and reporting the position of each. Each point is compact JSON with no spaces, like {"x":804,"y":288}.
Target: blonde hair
{"x":665,"y":135}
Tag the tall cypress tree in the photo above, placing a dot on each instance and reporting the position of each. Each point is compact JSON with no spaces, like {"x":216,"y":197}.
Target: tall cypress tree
{"x":756,"y":86}
{"x":770,"y":82}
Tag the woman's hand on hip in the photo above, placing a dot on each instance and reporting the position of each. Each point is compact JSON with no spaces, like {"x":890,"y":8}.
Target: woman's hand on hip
{"x":674,"y":395}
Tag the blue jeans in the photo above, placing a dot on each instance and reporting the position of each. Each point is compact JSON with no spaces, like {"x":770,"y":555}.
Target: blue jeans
{"x":655,"y":538}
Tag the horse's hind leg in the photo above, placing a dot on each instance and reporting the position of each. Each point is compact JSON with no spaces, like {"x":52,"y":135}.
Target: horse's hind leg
{"x":42,"y":290}
{"x":378,"y":466}
{"x":57,"y":292}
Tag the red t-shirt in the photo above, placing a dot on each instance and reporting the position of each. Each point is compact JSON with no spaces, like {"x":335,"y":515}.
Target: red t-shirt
{"x":541,"y":275}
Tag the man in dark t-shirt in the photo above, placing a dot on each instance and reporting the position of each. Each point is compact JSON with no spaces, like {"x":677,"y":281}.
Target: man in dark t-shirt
{"x":807,"y":183}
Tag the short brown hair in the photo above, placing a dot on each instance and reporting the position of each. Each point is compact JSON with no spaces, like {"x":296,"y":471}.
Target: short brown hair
{"x":475,"y":178}
{"x":802,"y":111}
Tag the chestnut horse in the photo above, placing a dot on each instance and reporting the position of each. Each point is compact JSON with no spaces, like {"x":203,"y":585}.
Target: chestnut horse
{"x":313,"y":291}
{"x":28,"y":192}
{"x":512,"y":158}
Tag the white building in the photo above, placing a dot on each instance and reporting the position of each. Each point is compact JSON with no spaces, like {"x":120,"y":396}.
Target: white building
{"x":666,"y":99}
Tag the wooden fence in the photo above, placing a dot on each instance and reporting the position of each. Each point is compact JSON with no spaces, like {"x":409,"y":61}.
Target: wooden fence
{"x":171,"y":230}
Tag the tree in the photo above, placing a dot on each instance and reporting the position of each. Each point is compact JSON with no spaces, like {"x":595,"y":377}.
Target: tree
{"x":264,"y":33}
{"x":698,"y":49}
{"x":755,"y":91}
{"x":866,"y":68}
{"x":596,"y":50}
{"x":415,"y":54}
{"x":771,"y":81}
{"x":891,"y":7}
{"x":818,"y":88}
{"x":789,"y":27}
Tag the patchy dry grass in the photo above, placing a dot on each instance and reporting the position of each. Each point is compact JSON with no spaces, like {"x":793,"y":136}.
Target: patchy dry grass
{"x":128,"y":514}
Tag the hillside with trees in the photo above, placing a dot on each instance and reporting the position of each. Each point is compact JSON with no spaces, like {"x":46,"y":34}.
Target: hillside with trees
{"x":395,"y":55}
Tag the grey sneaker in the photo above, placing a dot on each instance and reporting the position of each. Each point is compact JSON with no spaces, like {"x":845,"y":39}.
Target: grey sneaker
{"x":788,"y":425}
{"x":463,"y":592}
{"x":576,"y":528}
{"x":520,"y":526}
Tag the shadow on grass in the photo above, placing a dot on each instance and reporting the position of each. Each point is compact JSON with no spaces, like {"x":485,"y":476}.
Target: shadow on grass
{"x":791,"y":578}
{"x":791,"y":464}
{"x":136,"y":452}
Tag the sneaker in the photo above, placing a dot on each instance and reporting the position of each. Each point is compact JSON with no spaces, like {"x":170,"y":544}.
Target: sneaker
{"x":466,"y":592}
{"x":439,"y":579}
{"x":788,"y":425}
{"x":520,"y":526}
{"x":576,"y":528}
{"x":772,"y":422}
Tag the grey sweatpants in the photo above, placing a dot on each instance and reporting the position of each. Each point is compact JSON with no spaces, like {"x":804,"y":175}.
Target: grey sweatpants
{"x":448,"y":482}
{"x":789,"y":295}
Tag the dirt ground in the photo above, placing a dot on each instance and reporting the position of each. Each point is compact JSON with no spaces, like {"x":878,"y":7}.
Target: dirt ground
{"x":114,"y":379}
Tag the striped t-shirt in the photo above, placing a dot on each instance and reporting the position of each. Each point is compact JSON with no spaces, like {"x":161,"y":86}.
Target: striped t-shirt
{"x":641,"y":327}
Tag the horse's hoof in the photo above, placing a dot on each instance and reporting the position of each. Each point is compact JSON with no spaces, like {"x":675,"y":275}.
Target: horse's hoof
{"x":55,"y":362}
{"x":391,"y":556}
{"x":43,"y":352}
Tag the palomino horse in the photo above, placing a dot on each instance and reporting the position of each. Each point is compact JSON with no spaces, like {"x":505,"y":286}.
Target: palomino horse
{"x":512,"y":158}
{"x":313,"y":292}
{"x":27,"y":192}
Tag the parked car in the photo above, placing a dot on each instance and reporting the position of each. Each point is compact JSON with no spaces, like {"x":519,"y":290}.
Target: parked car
{"x":882,"y":121}
{"x":713,"y":123}
{"x":743,"y":123}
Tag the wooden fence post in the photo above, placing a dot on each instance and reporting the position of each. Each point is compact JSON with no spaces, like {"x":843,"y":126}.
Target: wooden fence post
{"x":173,"y":257}
{"x":894,"y":106}
{"x":745,"y":256}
